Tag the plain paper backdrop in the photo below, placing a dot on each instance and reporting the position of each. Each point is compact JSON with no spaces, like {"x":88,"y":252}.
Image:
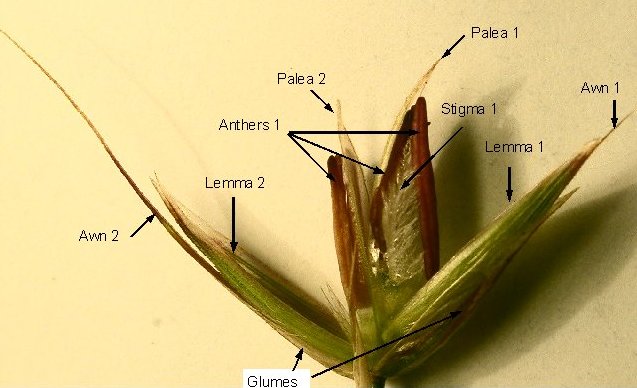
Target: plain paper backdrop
{"x":158,"y":77}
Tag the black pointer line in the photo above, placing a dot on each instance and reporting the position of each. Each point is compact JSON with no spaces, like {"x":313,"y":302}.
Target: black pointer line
{"x":299,"y":357}
{"x":148,"y":219}
{"x":452,"y":315}
{"x":233,"y":243}
{"x":509,"y":191}
{"x":377,"y":170}
{"x":448,"y":51}
{"x":327,"y":106}
{"x":409,"y":132}
{"x":327,"y":174}
{"x":455,"y":44}
{"x":614,"y":118}
{"x":317,"y":96}
{"x":408,"y":180}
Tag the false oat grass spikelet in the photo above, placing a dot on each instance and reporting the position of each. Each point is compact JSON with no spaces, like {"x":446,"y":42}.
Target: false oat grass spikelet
{"x":387,"y":245}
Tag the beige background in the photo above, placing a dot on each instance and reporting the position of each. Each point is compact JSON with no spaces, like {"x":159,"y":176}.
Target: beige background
{"x":157,"y":78}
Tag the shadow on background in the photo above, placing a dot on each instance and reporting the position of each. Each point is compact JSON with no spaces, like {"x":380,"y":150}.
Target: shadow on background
{"x":569,"y":260}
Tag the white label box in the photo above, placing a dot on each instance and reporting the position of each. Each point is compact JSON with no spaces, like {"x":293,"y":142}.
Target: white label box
{"x":276,"y":378}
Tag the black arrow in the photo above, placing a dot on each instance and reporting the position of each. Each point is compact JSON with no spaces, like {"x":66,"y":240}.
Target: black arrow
{"x":376,"y":169}
{"x":299,"y":356}
{"x":451,"y":315}
{"x":327,"y":174}
{"x":614,"y":118}
{"x":327,"y":106}
{"x":407,"y":132}
{"x":148,"y":220}
{"x":509,"y":191}
{"x":448,"y":51}
{"x":408,"y":180}
{"x":233,"y":243}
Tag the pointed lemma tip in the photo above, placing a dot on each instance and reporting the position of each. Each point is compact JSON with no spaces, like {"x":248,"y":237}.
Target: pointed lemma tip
{"x":619,"y":123}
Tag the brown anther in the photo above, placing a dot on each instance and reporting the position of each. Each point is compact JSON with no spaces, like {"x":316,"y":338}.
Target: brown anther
{"x":426,"y":188}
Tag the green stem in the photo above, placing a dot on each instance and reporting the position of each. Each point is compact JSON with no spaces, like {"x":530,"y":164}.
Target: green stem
{"x":378,"y":382}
